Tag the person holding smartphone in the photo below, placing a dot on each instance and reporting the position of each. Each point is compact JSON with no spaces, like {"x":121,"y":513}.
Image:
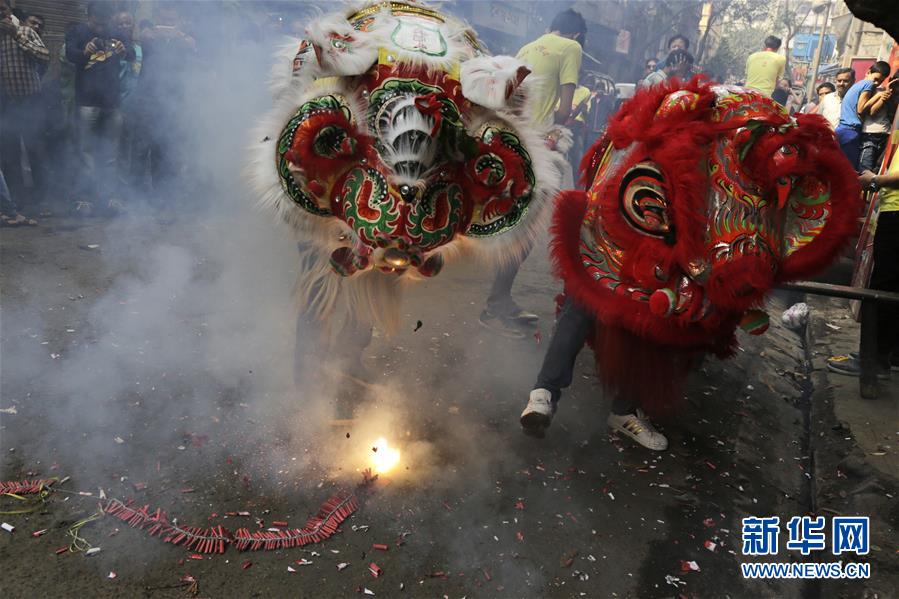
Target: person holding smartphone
{"x":855,"y":107}
{"x":879,"y":111}
{"x":97,"y":56}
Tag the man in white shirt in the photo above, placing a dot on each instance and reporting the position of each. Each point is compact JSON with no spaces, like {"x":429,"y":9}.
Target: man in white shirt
{"x":829,"y":107}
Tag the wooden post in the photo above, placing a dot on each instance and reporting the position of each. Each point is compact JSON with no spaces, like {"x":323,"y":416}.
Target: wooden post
{"x":867,"y":381}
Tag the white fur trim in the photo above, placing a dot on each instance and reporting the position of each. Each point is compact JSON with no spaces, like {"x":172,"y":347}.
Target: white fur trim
{"x":491,"y":80}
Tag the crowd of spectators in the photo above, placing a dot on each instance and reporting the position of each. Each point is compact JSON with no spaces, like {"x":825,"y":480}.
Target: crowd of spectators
{"x":100,"y":132}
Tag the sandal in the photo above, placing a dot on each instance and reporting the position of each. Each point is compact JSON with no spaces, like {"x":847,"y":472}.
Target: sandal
{"x":83,"y":208}
{"x":19,"y":220}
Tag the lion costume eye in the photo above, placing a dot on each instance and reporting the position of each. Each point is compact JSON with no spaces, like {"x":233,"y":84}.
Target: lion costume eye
{"x":643,"y":201}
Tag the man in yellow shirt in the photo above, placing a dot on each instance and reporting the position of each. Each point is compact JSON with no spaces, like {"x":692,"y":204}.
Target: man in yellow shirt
{"x":555,"y":59}
{"x":885,"y":277}
{"x":765,"y":67}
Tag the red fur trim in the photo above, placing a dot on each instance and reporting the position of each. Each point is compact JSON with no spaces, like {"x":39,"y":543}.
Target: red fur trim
{"x":636,"y":120}
{"x":640,"y":371}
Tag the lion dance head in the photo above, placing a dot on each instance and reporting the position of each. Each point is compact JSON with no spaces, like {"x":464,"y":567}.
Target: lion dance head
{"x":397,"y":140}
{"x":700,"y":198}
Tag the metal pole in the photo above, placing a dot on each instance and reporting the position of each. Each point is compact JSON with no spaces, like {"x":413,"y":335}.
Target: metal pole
{"x":816,"y":63}
{"x":844,"y":291}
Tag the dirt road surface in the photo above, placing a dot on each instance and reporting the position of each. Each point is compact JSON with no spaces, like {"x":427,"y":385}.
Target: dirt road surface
{"x":147,"y":359}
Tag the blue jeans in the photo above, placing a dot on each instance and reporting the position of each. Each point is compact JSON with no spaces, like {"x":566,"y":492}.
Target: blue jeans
{"x":572,"y":328}
{"x":850,"y":143}
{"x":871,"y":151}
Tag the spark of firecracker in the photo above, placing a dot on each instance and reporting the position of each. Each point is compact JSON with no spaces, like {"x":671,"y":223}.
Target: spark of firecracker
{"x":384,"y":458}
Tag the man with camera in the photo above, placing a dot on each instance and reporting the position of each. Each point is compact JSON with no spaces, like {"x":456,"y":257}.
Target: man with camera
{"x":23,"y":56}
{"x":97,"y":56}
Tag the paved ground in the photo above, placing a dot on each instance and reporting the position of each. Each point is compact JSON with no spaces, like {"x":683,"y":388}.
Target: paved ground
{"x":176,"y":340}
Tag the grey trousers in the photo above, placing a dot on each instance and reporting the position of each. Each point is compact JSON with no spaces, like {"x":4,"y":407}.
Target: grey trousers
{"x":98,"y":138}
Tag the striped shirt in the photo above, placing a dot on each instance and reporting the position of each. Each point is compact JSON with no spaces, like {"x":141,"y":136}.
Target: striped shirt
{"x":20,"y":57}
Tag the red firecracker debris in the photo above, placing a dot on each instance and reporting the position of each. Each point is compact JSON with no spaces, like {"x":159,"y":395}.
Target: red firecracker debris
{"x":519,"y":536}
{"x":380,"y":546}
{"x":246,"y":564}
{"x":568,"y":558}
{"x":281,"y":523}
{"x":25,"y":487}
{"x":112,"y":576}
{"x":39,"y":533}
{"x":374,"y":569}
{"x":139,"y":486}
{"x":195,"y":556}
{"x":196,"y":440}
{"x":689,"y":566}
{"x":710,"y":545}
{"x":61,"y":550}
{"x":487,"y":574}
{"x":187,"y":490}
{"x":519,"y":505}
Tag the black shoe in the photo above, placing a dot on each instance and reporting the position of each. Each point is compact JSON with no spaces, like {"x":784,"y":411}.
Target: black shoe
{"x":501,"y":325}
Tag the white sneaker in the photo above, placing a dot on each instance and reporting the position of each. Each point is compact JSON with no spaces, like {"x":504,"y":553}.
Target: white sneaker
{"x":538,"y":414}
{"x":638,"y":427}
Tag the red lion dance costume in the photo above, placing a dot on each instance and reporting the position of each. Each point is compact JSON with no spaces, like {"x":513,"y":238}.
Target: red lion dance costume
{"x":700,"y":199}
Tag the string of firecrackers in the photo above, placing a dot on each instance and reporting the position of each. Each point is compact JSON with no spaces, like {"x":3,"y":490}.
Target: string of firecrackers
{"x":25,"y":487}
{"x":21,"y":489}
{"x":215,"y":539}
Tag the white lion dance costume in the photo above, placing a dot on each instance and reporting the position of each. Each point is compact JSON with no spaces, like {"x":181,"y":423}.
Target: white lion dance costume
{"x":396,"y":141}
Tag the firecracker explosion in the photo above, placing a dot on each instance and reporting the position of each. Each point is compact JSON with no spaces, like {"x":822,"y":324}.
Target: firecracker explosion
{"x":393,"y":144}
